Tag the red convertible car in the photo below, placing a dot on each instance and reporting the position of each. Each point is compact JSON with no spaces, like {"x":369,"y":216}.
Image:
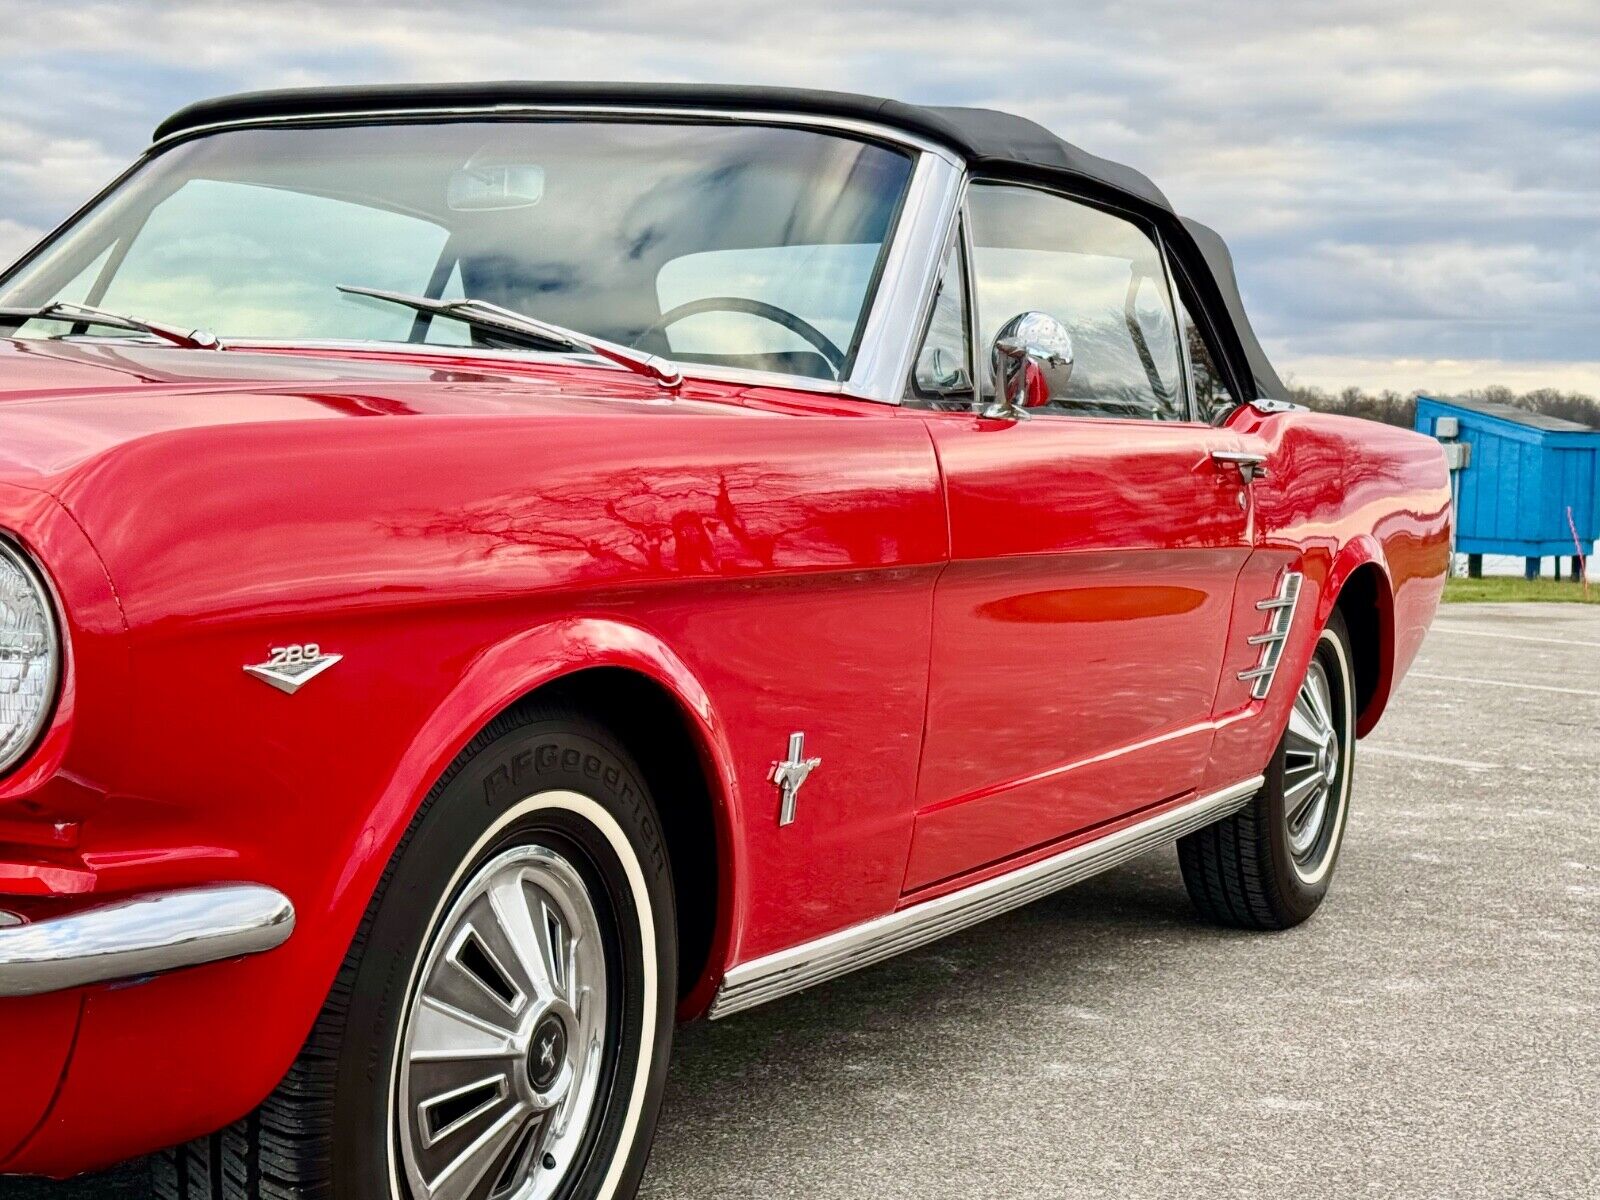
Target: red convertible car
{"x":491,"y":571}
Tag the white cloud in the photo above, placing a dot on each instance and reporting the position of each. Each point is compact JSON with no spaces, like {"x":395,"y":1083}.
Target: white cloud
{"x":59,"y":173}
{"x":16,"y":238}
{"x":1443,"y":280}
{"x":1395,"y":179}
{"x":1441,"y":376}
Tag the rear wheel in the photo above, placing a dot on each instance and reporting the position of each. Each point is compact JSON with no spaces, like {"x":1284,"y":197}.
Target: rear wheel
{"x":1268,"y":865}
{"x":501,"y":1027}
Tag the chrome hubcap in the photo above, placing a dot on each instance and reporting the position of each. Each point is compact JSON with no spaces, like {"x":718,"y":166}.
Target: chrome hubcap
{"x":505,"y":1036}
{"x":1311,"y":767}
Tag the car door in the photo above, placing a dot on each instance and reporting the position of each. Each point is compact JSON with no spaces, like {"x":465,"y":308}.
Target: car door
{"x":1079,"y":628}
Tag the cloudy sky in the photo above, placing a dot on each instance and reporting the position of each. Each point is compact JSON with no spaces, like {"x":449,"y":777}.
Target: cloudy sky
{"x":1412,"y":190}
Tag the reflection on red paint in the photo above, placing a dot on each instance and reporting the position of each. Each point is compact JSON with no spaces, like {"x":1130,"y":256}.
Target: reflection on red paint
{"x":1094,"y":604}
{"x":995,"y":635}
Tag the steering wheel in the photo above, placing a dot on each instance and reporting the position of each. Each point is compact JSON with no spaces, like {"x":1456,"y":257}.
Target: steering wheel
{"x":756,"y":308}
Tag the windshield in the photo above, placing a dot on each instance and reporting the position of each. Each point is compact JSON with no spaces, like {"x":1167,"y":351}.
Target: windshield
{"x":734,"y":244}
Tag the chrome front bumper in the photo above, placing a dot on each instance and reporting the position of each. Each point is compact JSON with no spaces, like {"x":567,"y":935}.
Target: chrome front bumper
{"x":142,"y":936}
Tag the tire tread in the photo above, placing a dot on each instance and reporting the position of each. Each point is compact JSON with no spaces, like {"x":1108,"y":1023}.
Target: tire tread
{"x":1228,"y":866}
{"x":281,"y":1151}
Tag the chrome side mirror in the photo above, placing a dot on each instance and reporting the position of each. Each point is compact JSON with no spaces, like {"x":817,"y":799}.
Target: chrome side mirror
{"x":1032,"y":361}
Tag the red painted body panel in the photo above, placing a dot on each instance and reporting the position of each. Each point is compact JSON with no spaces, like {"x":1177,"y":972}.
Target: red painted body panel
{"x":463,"y":530}
{"x":1341,"y":495}
{"x":1078,"y":631}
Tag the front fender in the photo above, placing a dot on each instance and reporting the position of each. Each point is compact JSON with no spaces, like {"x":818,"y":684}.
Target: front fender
{"x":219,"y":1058}
{"x":1249,"y":730}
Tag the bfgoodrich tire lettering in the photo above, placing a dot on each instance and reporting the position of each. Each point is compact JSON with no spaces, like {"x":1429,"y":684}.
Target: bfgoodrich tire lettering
{"x":1268,"y":866}
{"x":539,"y":785}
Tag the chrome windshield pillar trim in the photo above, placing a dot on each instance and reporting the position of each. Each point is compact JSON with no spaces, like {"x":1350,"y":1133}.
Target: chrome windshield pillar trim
{"x":141,"y":936}
{"x":803,"y":966}
{"x":893,"y":331}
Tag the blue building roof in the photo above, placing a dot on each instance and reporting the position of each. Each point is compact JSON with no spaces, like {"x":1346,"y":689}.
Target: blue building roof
{"x":1527,"y":472}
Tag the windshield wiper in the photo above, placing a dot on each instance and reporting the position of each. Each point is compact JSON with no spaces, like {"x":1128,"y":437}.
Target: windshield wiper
{"x":541,"y":334}
{"x":83,"y":314}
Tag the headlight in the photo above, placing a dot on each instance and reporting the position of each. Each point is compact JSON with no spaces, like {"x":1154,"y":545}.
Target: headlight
{"x":30,"y":654}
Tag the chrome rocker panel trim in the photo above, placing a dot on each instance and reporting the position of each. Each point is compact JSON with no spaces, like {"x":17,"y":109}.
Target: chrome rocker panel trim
{"x":792,"y":970}
{"x":142,"y":936}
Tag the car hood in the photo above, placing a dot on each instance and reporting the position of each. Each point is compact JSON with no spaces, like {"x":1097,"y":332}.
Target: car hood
{"x":64,"y":402}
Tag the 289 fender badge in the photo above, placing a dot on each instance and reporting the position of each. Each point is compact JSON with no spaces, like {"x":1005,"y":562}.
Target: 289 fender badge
{"x":290,"y":667}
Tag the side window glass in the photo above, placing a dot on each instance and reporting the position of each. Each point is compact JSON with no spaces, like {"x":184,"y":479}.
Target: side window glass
{"x":941,"y":374}
{"x":1101,"y":276}
{"x":1212,"y":396}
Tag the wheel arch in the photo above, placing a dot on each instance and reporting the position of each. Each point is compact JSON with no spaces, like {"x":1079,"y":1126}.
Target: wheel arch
{"x":629,"y":680}
{"x":1360,"y":590}
{"x":657,"y":727}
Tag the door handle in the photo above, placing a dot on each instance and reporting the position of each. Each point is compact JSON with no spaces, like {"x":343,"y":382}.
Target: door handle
{"x":1252,"y":466}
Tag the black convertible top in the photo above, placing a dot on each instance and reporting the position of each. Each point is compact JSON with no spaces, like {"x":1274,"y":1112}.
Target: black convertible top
{"x":983,"y":136}
{"x":997,"y":143}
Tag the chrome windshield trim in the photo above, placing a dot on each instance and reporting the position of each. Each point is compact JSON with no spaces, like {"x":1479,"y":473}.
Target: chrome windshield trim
{"x":763,"y":979}
{"x":893,"y":332}
{"x":887,"y":348}
{"x":957,"y":231}
{"x":872,"y":129}
{"x":141,"y":936}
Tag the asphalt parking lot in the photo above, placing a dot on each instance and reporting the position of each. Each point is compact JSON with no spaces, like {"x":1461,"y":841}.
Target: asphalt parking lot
{"x":1433,"y":1032}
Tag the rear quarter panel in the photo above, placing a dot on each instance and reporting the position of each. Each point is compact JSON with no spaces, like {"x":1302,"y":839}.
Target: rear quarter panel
{"x":1342,"y":495}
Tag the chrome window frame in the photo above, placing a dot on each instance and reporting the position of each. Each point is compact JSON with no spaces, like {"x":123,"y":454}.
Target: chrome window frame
{"x":1163,"y":252}
{"x":907,"y":275}
{"x":1213,"y":333}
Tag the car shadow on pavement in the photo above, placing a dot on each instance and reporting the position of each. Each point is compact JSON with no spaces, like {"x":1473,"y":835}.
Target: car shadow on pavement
{"x":900,"y":1024}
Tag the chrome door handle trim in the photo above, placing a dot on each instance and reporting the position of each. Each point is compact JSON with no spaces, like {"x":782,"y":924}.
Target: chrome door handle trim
{"x":1252,"y":465}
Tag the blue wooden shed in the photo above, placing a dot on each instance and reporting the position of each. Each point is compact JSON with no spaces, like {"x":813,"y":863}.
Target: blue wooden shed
{"x":1525,"y":473}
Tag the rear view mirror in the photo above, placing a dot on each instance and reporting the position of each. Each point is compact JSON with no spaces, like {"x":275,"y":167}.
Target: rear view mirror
{"x":493,"y":188}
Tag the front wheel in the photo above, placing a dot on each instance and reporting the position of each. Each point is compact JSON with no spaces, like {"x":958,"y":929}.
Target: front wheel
{"x":1268,"y":865}
{"x":500,"y":1030}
